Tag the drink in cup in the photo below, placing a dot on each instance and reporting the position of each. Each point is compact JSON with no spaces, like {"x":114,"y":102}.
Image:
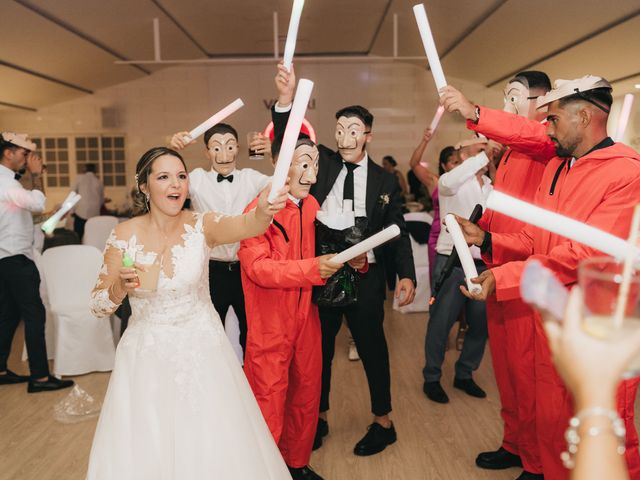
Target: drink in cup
{"x":149,"y":276}
{"x":253,"y":154}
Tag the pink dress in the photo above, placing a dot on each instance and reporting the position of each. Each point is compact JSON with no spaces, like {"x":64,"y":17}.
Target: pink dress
{"x":434,"y":232}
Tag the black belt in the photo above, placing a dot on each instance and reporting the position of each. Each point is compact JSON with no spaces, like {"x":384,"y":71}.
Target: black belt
{"x":227,"y":266}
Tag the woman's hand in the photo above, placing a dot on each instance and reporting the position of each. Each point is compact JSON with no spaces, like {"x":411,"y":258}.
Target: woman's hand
{"x":270,"y":209}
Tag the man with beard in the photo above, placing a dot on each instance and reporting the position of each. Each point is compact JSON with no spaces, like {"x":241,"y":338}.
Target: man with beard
{"x":227,"y":190}
{"x":349,"y":174}
{"x":511,"y":323}
{"x":283,"y":360}
{"x":591,"y":179}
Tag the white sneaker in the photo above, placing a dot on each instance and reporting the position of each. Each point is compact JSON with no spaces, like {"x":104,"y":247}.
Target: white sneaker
{"x":353,"y":352}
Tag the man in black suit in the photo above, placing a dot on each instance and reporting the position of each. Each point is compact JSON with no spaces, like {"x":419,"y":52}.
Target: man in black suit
{"x":349,"y":174}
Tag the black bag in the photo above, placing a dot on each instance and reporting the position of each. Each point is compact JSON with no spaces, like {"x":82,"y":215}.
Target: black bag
{"x":341,"y":288}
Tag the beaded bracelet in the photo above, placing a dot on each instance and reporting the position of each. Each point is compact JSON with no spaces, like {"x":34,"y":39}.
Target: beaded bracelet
{"x":573,"y":438}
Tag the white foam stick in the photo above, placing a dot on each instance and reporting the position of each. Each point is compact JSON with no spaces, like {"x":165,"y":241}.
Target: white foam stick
{"x":367,"y":244}
{"x":215,"y":119}
{"x":429,"y":45}
{"x":292,"y":34}
{"x":623,"y":119}
{"x":291,"y":133}
{"x":559,"y":224}
{"x":436,"y":119}
{"x":540,"y":288}
{"x":464,"y":253}
{"x":50,"y":225}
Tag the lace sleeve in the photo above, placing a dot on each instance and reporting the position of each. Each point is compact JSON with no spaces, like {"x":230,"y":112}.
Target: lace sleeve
{"x":220,"y":229}
{"x":106,"y":296}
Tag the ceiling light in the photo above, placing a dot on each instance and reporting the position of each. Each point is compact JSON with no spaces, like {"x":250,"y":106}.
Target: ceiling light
{"x":637,"y":85}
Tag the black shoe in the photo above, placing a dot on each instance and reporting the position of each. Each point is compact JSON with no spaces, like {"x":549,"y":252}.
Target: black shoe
{"x":530,"y":476}
{"x":11,"y":378}
{"x":322,"y":430}
{"x":303,"y":473}
{"x":375,"y":440}
{"x":498,"y":460}
{"x":469,"y":387}
{"x":435,"y":392}
{"x":51,"y":383}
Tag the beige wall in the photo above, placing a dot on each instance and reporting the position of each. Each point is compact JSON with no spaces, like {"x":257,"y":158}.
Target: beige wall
{"x":401,"y":96}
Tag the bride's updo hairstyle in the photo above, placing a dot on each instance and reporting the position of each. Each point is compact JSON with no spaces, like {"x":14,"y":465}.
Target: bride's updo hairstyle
{"x":141,"y":203}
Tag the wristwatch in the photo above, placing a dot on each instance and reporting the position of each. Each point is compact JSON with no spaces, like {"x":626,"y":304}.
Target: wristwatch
{"x":477,"y":111}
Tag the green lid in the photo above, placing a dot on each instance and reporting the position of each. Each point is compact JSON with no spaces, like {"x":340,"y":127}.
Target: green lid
{"x":127,"y":261}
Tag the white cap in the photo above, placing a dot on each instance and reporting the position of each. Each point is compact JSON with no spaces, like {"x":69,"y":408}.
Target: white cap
{"x":19,"y":140}
{"x":566,"y":88}
{"x":471,"y":141}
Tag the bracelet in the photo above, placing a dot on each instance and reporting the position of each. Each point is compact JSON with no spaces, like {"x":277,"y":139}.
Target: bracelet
{"x":112,"y":291}
{"x":573,"y":437}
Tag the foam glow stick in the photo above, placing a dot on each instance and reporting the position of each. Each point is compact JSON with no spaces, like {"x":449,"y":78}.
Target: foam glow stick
{"x":464,"y":253}
{"x":367,"y":244}
{"x":429,"y":45}
{"x":215,"y":119}
{"x":291,"y":133}
{"x":50,"y":224}
{"x":559,"y":224}
{"x":292,"y":34}
{"x":623,"y":119}
{"x":436,"y":119}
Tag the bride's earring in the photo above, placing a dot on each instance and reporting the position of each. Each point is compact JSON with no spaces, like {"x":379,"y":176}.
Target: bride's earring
{"x":146,"y":200}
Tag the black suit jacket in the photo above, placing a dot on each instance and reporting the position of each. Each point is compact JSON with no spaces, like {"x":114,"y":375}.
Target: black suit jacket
{"x":383,"y":203}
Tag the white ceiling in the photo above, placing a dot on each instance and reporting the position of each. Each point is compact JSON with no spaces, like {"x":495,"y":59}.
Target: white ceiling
{"x":54,"y":50}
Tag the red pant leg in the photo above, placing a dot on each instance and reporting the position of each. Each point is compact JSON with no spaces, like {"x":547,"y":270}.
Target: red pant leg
{"x":626,"y":399}
{"x":520,"y":328}
{"x":499,"y":344}
{"x":266,"y":366}
{"x":303,"y":396}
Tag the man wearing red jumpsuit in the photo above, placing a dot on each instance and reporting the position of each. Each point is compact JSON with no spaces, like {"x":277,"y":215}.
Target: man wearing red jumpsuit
{"x":283,"y":359}
{"x":593,"y":180}
{"x":510,"y":323}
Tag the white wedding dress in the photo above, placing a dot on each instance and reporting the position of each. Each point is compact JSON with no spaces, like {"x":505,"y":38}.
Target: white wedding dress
{"x":178,"y":406}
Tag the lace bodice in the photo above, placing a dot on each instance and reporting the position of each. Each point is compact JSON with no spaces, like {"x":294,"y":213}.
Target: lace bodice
{"x":178,"y":298}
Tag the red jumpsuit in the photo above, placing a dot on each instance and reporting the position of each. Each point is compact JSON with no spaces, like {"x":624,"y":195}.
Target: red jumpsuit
{"x":510,"y":323}
{"x":283,"y":358}
{"x":600,"y":189}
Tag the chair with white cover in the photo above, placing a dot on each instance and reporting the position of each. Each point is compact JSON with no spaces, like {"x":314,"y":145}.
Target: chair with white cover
{"x":98,"y":229}
{"x":84,"y":343}
{"x":421,"y":262}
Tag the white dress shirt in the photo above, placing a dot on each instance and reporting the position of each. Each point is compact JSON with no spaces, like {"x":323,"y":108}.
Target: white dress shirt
{"x":359,"y":192}
{"x":90,"y":188}
{"x":16,"y":222}
{"x":228,"y":198}
{"x":460,"y":191}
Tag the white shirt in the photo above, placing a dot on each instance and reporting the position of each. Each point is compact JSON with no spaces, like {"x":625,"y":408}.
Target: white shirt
{"x":459,"y":192}
{"x":228,"y":198}
{"x":359,"y":192}
{"x":16,"y":222}
{"x":90,"y":188}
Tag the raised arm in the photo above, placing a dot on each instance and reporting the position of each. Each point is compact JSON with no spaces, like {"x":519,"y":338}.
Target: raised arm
{"x":450,"y":182}
{"x":32,"y":200}
{"x":220,"y":229}
{"x":428,"y":179}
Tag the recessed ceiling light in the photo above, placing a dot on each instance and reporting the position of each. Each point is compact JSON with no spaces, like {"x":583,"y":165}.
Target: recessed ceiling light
{"x":637,"y":85}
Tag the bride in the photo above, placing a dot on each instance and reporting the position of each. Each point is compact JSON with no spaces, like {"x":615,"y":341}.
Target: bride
{"x":178,"y":406}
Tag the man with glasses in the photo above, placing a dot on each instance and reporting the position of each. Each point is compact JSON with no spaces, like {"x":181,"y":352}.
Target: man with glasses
{"x":19,"y":277}
{"x":227,"y":190}
{"x":349,"y":174}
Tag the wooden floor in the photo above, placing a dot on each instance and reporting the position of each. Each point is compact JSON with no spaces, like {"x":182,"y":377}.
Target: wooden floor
{"x":435,"y":442}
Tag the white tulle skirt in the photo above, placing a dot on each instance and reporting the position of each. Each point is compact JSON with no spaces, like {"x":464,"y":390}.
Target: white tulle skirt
{"x":178,"y":407}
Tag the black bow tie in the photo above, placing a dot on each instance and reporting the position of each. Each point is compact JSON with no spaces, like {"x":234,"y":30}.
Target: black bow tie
{"x":17,"y":176}
{"x":222,"y":177}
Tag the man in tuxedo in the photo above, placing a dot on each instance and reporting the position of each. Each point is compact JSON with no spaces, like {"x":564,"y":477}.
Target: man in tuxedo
{"x":349,"y":174}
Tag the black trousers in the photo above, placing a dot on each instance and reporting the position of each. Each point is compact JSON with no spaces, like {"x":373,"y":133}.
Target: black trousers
{"x":225,"y":287}
{"x":78,"y":226}
{"x":20,"y":299}
{"x":365,"y":320}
